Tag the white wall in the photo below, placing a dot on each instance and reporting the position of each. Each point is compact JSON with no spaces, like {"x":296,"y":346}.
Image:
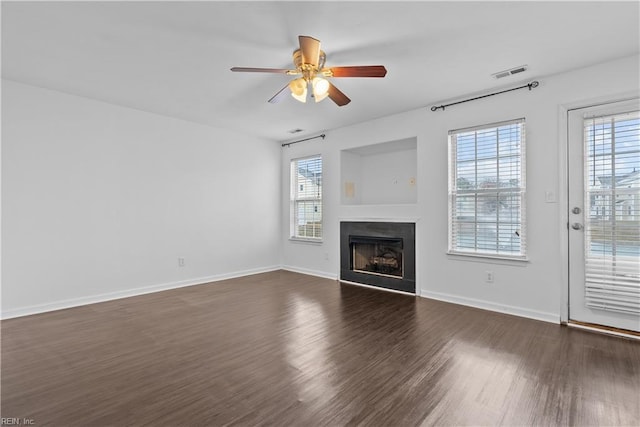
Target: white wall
{"x":99,"y":201}
{"x":533,"y":289}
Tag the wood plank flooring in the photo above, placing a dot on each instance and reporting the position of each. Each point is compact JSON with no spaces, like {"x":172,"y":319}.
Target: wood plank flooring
{"x":282,"y":348}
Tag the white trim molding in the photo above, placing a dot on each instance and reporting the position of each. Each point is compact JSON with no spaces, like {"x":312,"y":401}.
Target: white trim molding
{"x":491,"y":306}
{"x":109,"y":296}
{"x":410,"y":219}
{"x":316,"y":273}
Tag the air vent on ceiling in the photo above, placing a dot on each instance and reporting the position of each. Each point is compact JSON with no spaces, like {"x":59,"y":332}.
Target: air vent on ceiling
{"x":295,"y":130}
{"x":507,"y":73}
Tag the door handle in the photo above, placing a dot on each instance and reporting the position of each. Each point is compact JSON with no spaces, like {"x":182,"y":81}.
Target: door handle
{"x":576,"y":210}
{"x":577,"y":226}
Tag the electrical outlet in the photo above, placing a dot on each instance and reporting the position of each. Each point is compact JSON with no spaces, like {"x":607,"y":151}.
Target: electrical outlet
{"x":326,"y":256}
{"x":180,"y":262}
{"x":488,"y":276}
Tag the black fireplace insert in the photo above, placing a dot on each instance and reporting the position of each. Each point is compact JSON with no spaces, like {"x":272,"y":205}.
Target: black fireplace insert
{"x":378,"y":254}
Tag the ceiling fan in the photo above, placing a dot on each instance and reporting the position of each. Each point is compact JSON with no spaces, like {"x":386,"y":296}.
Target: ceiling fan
{"x":309,"y":62}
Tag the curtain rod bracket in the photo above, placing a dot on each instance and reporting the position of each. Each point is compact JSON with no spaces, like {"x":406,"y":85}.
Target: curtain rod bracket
{"x":532,"y":85}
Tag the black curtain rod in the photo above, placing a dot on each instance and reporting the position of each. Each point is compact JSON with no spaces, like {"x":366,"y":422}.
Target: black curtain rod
{"x":531,"y":85}
{"x":286,"y":144}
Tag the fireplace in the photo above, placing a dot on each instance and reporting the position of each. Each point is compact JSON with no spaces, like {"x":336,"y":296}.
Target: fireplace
{"x":378,"y":254}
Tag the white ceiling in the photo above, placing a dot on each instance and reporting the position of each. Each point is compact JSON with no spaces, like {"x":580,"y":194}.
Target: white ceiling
{"x":173,"y":58}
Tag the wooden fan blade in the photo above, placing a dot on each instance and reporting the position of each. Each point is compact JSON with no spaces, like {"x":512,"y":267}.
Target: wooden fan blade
{"x":259,"y":70}
{"x":280,"y":95}
{"x":337,"y":96}
{"x":359,"y":71}
{"x":310,"y":49}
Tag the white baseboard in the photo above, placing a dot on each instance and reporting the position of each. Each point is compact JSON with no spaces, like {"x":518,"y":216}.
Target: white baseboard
{"x":316,"y":273}
{"x":75,"y":302}
{"x":491,"y":306}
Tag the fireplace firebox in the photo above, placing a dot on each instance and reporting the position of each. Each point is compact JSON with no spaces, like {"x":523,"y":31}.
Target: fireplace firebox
{"x":378,"y":254}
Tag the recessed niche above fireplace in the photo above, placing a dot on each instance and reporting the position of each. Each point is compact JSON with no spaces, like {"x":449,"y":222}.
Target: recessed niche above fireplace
{"x":380,"y":174}
{"x":379,"y":254}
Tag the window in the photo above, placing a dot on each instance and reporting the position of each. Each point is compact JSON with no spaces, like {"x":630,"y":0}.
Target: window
{"x":306,"y":198}
{"x":487,"y":190}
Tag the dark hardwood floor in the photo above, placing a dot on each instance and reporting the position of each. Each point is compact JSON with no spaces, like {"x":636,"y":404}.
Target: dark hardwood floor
{"x":283,"y":348}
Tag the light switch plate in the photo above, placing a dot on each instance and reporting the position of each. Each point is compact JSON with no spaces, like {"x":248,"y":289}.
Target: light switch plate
{"x":550,"y":197}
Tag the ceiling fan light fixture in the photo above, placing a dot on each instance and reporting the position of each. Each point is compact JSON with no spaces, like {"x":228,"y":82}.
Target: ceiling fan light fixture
{"x":309,"y":61}
{"x":320,"y":88}
{"x":298,"y":89}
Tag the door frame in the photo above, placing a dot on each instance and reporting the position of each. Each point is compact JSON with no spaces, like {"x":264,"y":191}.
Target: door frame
{"x":563,"y":191}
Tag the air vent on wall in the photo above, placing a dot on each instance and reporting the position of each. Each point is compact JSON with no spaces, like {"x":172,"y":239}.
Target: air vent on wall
{"x":506,"y":73}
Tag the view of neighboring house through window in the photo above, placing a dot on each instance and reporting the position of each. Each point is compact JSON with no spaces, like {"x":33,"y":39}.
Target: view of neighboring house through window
{"x":306,"y":198}
{"x":487,"y":190}
{"x":613,"y":169}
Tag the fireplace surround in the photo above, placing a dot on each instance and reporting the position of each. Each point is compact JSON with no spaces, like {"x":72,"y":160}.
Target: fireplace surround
{"x":378,"y":254}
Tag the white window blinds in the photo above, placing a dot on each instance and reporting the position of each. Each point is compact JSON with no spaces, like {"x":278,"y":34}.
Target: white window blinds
{"x":612,"y":212}
{"x":487,"y":190}
{"x":306,"y":198}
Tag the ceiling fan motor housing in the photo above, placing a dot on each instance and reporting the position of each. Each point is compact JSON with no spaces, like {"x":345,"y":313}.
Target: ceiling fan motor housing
{"x":308,"y":70}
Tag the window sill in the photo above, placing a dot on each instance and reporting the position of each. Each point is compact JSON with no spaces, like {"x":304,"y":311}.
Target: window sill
{"x":305,"y":241}
{"x":488,"y":258}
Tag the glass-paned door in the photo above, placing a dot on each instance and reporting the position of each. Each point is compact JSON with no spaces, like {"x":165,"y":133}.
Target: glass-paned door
{"x":604,"y":215}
